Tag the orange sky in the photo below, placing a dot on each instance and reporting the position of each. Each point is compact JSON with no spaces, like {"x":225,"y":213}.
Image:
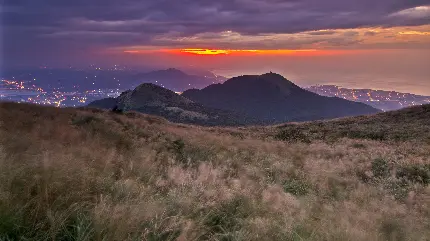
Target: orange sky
{"x":309,"y":43}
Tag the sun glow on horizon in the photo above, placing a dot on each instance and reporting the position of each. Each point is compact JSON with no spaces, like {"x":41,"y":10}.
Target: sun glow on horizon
{"x":242,"y":51}
{"x":212,"y":52}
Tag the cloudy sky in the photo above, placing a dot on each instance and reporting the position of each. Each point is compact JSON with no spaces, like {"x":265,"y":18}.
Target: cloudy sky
{"x":306,"y":39}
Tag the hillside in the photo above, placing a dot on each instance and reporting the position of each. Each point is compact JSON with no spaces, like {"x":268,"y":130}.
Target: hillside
{"x":273,"y":99}
{"x":409,"y":124}
{"x":155,"y":100}
{"x":88,"y":174}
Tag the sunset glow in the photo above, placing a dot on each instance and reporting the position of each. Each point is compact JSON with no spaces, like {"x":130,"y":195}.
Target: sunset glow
{"x":210,"y":52}
{"x":239,"y":51}
{"x":204,"y":51}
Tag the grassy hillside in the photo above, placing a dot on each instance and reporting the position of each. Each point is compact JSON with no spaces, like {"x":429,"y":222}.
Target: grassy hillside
{"x":69,"y":174}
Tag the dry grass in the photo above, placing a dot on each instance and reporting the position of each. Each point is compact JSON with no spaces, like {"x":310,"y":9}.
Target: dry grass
{"x":70,"y":174}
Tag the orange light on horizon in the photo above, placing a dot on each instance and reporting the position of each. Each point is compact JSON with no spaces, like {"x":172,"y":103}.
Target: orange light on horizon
{"x":237,"y":52}
{"x":132,"y":51}
{"x":203,"y":51}
{"x":240,"y":51}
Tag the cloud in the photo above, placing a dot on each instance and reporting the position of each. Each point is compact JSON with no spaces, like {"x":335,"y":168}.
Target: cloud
{"x":419,"y":12}
{"x":370,"y":33}
{"x":322,"y":32}
{"x":111,"y":23}
{"x":351,"y":33}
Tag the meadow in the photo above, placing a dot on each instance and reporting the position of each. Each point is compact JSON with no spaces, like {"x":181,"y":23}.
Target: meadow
{"x":88,"y":174}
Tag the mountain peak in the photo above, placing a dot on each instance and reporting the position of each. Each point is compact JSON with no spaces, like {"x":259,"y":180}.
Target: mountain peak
{"x":272,"y":74}
{"x":277,"y":79}
{"x":272,"y":98}
{"x":168,"y":73}
{"x":150,"y":86}
{"x":174,"y":70}
{"x":267,"y":82}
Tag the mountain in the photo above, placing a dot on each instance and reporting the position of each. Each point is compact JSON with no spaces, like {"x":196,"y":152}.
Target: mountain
{"x":273,"y":99}
{"x":89,"y":174}
{"x":152,"y":99}
{"x":177,"y":80}
{"x":202,"y":72}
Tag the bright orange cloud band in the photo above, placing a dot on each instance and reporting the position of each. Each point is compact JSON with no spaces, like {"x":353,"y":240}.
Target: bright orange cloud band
{"x":200,"y":51}
{"x":240,"y":51}
{"x":248,"y":52}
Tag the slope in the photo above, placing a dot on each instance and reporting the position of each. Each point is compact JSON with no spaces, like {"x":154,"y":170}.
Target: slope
{"x":153,"y":99}
{"x":87,"y":174}
{"x":273,"y":99}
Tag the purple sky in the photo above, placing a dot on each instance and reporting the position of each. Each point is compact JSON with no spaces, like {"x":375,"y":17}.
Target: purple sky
{"x":376,"y":40}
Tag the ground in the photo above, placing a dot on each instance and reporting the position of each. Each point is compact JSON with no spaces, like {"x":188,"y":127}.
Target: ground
{"x":86,"y":174}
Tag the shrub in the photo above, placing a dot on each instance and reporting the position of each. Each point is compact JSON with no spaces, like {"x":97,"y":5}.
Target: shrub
{"x":178,"y":147}
{"x":415,"y":173}
{"x":224,"y":221}
{"x":80,"y":120}
{"x":293,"y":135}
{"x":359,"y":146}
{"x":392,"y":230}
{"x":296,"y":187}
{"x":163,"y":235}
{"x":380,"y":168}
{"x":117,"y":110}
{"x":355,"y":134}
{"x":398,"y":188}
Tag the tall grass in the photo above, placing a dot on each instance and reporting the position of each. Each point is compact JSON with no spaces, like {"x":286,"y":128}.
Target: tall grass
{"x":85,"y":174}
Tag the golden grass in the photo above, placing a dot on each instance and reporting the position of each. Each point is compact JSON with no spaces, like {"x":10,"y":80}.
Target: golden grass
{"x":69,"y":174}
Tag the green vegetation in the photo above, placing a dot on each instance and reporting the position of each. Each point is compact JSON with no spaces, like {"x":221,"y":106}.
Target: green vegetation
{"x":85,"y":174}
{"x":296,"y":187}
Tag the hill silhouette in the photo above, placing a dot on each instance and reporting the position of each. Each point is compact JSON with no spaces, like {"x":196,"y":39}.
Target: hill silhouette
{"x":273,"y":99}
{"x":152,"y":99}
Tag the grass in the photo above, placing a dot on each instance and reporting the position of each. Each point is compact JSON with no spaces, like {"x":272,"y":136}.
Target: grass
{"x":86,"y":174}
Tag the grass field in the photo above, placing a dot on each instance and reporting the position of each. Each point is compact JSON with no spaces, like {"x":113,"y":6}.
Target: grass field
{"x":85,"y":174}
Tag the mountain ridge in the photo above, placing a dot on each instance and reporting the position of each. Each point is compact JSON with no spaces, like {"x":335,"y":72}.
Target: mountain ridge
{"x":272,"y":98}
{"x":149,"y":98}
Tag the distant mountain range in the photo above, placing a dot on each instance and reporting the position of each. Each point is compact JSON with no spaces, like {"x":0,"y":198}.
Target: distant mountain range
{"x":71,"y":80}
{"x":273,"y":99}
{"x":380,"y":99}
{"x":178,"y":80}
{"x":243,"y":100}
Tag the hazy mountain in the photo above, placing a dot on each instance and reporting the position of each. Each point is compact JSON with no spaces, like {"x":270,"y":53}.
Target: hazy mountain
{"x":202,"y":72}
{"x":274,"y":99}
{"x":153,"y":99}
{"x":177,"y":80}
{"x":71,"y":80}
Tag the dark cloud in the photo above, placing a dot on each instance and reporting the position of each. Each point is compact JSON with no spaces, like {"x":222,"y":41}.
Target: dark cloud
{"x":81,"y":25}
{"x":370,"y":33}
{"x":351,"y":33}
{"x":327,"y":32}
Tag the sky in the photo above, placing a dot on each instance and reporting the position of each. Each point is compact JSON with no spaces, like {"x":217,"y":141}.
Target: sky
{"x":355,"y":43}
